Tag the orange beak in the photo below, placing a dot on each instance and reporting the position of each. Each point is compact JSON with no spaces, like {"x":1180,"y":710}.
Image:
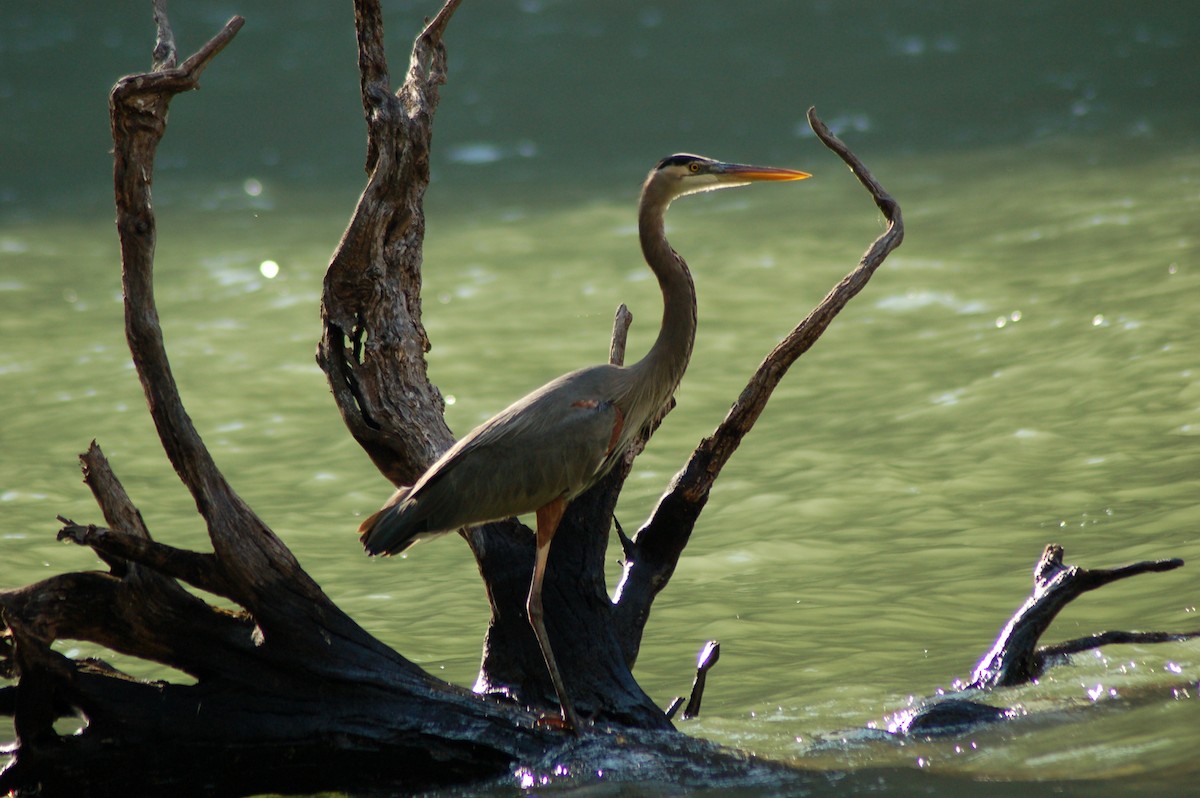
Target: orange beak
{"x":742,"y":173}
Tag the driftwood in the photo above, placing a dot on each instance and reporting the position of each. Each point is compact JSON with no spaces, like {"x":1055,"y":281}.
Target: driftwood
{"x":1016,"y":658}
{"x":289,"y":693}
{"x":372,"y":352}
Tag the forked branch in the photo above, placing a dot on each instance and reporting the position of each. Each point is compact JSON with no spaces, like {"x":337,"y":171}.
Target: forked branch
{"x":1016,"y":657}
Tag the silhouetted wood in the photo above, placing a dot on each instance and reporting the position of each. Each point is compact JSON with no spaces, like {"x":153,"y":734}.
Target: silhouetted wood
{"x":1016,"y":658}
{"x":287,"y":693}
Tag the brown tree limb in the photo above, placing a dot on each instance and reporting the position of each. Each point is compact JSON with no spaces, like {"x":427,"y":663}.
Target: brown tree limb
{"x":138,"y":109}
{"x":259,"y":572}
{"x":118,"y":548}
{"x":622,"y":321}
{"x":661,"y":540}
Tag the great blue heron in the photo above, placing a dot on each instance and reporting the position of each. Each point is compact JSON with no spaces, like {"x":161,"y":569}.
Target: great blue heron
{"x":552,"y":445}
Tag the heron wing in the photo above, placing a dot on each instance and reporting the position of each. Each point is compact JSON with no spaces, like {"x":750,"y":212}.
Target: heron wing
{"x":552,"y":443}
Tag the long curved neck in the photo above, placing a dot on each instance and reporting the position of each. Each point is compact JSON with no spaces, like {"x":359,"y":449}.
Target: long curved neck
{"x":660,"y":371}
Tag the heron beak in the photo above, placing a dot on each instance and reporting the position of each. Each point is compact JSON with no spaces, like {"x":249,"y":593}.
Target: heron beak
{"x":741,"y":173}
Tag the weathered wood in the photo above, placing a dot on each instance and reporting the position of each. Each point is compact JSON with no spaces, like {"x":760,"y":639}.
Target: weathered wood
{"x":1016,"y":659}
{"x":373,"y":344}
{"x":657,"y":546}
{"x":289,"y":693}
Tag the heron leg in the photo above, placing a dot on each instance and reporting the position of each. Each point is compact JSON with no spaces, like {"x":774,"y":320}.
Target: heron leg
{"x":548,"y":518}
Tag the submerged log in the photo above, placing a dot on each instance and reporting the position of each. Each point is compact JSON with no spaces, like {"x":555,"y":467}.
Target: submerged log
{"x":1016,"y":659}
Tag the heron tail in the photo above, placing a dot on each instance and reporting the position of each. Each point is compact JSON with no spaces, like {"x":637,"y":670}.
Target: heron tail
{"x":394,"y":528}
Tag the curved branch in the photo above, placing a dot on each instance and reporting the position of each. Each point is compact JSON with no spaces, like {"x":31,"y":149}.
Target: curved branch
{"x":138,"y":110}
{"x":716,"y":450}
{"x":660,"y":541}
{"x":1057,"y":651}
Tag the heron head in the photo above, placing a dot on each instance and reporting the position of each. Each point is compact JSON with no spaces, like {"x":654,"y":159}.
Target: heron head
{"x":677,"y":175}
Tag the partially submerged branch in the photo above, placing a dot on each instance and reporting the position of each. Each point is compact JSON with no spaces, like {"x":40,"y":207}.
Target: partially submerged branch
{"x":1016,"y":658}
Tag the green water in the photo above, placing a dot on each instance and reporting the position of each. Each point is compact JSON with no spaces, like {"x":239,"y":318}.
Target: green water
{"x":1022,"y":371}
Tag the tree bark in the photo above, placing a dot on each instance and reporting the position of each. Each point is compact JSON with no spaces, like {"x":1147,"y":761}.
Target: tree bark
{"x":287,"y":693}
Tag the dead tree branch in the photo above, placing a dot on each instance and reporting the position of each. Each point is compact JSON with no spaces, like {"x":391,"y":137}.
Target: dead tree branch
{"x":661,"y":540}
{"x":373,"y":345}
{"x":290,"y":694}
{"x":1016,"y":659}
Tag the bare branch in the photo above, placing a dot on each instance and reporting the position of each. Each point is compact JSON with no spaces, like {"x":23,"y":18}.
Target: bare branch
{"x":622,"y":321}
{"x":717,"y":449}
{"x":138,"y":106}
{"x":1015,"y":658}
{"x":165,"y":55}
{"x":1057,"y":651}
{"x":662,"y":538}
{"x":198,"y":570}
{"x":252,"y":556}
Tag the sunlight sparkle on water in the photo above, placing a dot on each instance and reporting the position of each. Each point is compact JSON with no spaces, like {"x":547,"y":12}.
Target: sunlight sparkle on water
{"x":1003,"y":321}
{"x":527,"y":778}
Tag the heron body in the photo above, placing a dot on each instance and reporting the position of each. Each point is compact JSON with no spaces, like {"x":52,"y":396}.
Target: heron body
{"x":553,"y":444}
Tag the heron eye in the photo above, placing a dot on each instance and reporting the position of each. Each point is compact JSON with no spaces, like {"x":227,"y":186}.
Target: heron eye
{"x":693,"y":167}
